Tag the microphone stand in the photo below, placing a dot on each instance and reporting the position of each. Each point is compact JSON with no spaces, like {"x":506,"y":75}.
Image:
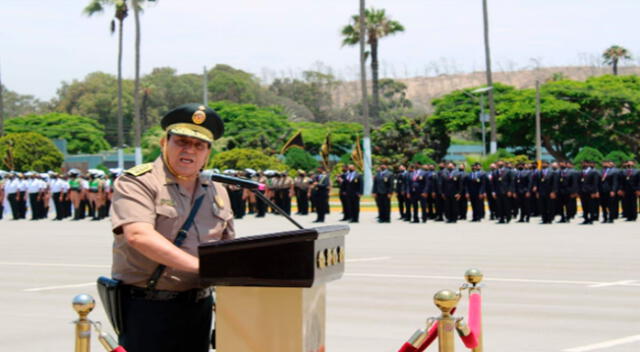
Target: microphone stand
{"x":274,"y":206}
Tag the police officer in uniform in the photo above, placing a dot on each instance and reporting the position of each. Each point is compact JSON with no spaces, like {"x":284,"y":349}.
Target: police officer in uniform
{"x":452,"y":189}
{"x":476,"y":191}
{"x":301,"y":185}
{"x":523,"y":192}
{"x":609,"y":187}
{"x":151,"y":203}
{"x":629,"y":190}
{"x":320,"y":193}
{"x":401,"y":185}
{"x":463,"y":204}
{"x":502,"y":191}
{"x":416,"y":185}
{"x":588,"y":192}
{"x":354,"y":188}
{"x":382,"y":192}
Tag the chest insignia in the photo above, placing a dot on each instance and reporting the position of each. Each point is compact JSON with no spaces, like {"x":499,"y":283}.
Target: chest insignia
{"x":219,"y":201}
{"x":168,"y":202}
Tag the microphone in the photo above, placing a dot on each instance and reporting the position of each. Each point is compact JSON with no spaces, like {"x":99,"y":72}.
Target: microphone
{"x":236,"y":181}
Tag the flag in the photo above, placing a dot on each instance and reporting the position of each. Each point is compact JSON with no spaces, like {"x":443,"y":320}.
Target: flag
{"x":356,"y":155}
{"x":325,"y":150}
{"x":295,"y":141}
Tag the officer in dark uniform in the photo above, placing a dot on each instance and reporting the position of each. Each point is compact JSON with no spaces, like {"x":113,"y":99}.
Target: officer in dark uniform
{"x":574,"y":185}
{"x":547,"y":187}
{"x":354,"y":188}
{"x":629,"y":190}
{"x":320,"y":193}
{"x":588,"y":191}
{"x":523,"y":192}
{"x":416,"y":185}
{"x":608,"y":191}
{"x":400,"y":187}
{"x":534,"y":207}
{"x":432,"y":181}
{"x":439,"y":202}
{"x":463,"y":202}
{"x":493,"y":213}
{"x":342,"y":191}
{"x":452,"y":189}
{"x":476,"y":191}
{"x":502,"y":188}
{"x":567,"y":191}
{"x":382,"y":191}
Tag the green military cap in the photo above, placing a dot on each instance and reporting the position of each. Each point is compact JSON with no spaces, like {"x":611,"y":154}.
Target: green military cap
{"x":193,"y":120}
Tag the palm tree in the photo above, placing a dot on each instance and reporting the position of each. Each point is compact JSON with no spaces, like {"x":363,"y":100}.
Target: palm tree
{"x":137,"y":8}
{"x":121,"y":11}
{"x":613,"y":55}
{"x":378,"y":26}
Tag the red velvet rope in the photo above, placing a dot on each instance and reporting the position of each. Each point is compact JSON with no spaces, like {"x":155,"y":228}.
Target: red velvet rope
{"x":475,"y":314}
{"x":119,"y":349}
{"x":431,"y":336}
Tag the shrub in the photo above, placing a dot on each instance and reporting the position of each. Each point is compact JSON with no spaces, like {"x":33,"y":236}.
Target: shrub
{"x":30,"y":151}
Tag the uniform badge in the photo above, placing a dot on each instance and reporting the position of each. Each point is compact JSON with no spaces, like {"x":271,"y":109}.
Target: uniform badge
{"x":628,"y":178}
{"x":582,"y":180}
{"x":420,"y":178}
{"x":455,"y":179}
{"x":561,"y":179}
{"x":168,"y":202}
{"x":219,"y":201}
{"x":542,"y":179}
{"x":199,"y":116}
{"x":500,"y":179}
{"x":386,"y":179}
{"x":478,"y":180}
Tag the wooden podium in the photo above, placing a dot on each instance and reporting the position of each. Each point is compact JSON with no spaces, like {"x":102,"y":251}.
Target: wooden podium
{"x":270,"y":289}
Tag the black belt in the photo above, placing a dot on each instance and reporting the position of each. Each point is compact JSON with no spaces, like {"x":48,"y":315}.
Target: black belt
{"x":193,"y":295}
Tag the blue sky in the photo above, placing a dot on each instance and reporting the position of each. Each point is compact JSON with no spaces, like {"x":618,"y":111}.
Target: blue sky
{"x":45,"y":42}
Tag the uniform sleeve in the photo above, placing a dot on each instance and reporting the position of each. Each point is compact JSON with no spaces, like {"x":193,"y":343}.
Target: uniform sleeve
{"x":133,"y":201}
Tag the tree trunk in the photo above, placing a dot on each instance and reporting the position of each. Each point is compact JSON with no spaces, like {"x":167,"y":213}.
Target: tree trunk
{"x":614,"y":63}
{"x":487,"y":53}
{"x":120,"y":119}
{"x":375,"y":112}
{"x":556,"y":154}
{"x":136,"y":85}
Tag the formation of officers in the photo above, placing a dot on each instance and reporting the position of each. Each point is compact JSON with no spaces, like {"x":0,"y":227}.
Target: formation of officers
{"x":511,"y":193}
{"x":72,"y":195}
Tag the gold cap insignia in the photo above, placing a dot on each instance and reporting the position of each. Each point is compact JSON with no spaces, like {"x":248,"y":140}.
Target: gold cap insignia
{"x":199,"y":117}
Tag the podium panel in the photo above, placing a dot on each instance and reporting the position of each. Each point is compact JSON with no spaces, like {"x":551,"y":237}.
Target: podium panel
{"x":270,"y":319}
{"x":271,"y":289}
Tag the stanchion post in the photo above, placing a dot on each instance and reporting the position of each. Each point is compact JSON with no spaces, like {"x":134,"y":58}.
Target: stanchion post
{"x":446,"y":301}
{"x":83,"y":304}
{"x":473,"y":278}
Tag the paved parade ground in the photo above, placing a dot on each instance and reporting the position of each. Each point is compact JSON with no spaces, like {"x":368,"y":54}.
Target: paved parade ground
{"x":559,"y":287}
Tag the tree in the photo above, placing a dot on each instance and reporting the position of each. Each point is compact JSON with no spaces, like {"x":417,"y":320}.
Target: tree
{"x":97,"y":97}
{"x":618,"y":157}
{"x":250,"y":126}
{"x":83,"y":134}
{"x":15,"y":104}
{"x":343,"y":135}
{"x":314,"y":92}
{"x":30,"y":151}
{"x":296,"y":158}
{"x":378,"y":26}
{"x":228,"y":83}
{"x":613,"y":55}
{"x":121,"y":11}
{"x":401,"y":139}
{"x":242,"y":158}
{"x":588,"y":153}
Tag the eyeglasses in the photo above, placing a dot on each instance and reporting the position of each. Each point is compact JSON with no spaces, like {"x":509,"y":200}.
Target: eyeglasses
{"x":188,"y":143}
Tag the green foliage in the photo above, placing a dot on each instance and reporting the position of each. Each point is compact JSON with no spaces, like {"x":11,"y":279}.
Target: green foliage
{"x":422,"y":158}
{"x":150,"y":143}
{"x":242,"y":158}
{"x":228,"y":83}
{"x":588,"y":153}
{"x":296,"y":158}
{"x":501,"y":154}
{"x":83,"y":135}
{"x":30,"y":151}
{"x":21,"y":104}
{"x":397,"y":141}
{"x":97,"y":97}
{"x":249,"y":126}
{"x":618,"y":157}
{"x":314,"y":92}
{"x":343,"y":135}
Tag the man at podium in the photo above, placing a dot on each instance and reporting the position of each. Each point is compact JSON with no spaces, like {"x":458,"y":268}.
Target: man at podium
{"x":155,"y":205}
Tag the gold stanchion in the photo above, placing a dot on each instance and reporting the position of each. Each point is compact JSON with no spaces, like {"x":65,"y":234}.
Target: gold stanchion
{"x":473,"y":278}
{"x":446,"y":301}
{"x":83,"y":304}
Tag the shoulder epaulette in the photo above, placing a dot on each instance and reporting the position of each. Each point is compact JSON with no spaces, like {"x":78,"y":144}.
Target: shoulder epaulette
{"x":140,"y":169}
